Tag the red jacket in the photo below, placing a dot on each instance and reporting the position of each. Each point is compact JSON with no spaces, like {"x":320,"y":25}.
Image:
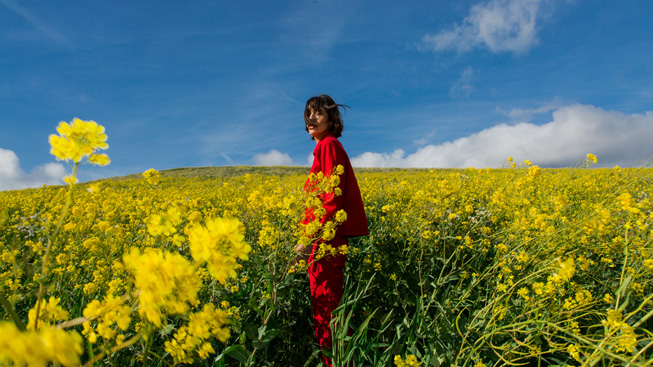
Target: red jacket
{"x":328,"y":154}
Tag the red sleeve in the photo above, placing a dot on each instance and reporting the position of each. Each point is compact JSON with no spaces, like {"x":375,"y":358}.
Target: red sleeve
{"x":330,"y":156}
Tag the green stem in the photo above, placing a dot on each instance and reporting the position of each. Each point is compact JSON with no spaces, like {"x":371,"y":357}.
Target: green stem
{"x":10,"y":310}
{"x":623,"y":269}
{"x":44,"y":262}
{"x":146,"y":351}
{"x":113,"y":350}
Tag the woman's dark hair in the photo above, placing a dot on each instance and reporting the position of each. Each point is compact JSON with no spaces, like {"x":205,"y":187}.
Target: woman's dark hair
{"x":328,"y":105}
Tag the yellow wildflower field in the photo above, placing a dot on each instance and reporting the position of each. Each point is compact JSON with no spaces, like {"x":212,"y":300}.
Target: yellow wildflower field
{"x":477,"y":267}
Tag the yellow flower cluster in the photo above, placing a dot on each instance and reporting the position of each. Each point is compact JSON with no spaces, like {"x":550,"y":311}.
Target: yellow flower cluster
{"x":166,"y":282}
{"x":80,"y":139}
{"x":194,"y":337}
{"x":619,"y":332}
{"x":152,"y":176}
{"x":591,"y":158}
{"x":566,"y":271}
{"x":38,"y":348}
{"x":49,"y":314}
{"x":219,"y":243}
{"x":269,"y":234}
{"x":534,"y":172}
{"x":581,"y":298}
{"x":411,"y":361}
{"x":164,"y":224}
{"x":105,"y":318}
{"x":318,"y":186}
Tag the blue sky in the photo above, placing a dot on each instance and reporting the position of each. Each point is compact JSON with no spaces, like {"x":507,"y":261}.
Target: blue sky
{"x":430,"y":83}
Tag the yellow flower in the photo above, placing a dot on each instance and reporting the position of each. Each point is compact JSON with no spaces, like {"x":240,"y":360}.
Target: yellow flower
{"x":534,"y":172}
{"x":523,"y":292}
{"x":538,"y":288}
{"x":49,"y":314}
{"x":566,"y":271}
{"x":79,"y":139}
{"x":70,"y":179}
{"x":38,"y":348}
{"x":648,"y":264}
{"x":164,"y":224}
{"x":626,"y":339}
{"x":219,"y":244}
{"x":166,"y":282}
{"x":411,"y":361}
{"x":193,"y":338}
{"x":152,"y":176}
{"x":99,"y":159}
{"x":106,"y":315}
{"x":572,"y":349}
{"x":522,"y":257}
{"x":583,"y":297}
{"x":591,"y":158}
{"x":341,"y":216}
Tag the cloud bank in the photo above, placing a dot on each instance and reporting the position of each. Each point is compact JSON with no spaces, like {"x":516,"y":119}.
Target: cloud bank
{"x":272,"y":158}
{"x":614,"y":137}
{"x":500,"y":25}
{"x":12,"y":176}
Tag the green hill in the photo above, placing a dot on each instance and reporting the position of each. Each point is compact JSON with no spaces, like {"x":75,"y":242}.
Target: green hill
{"x":232,"y":171}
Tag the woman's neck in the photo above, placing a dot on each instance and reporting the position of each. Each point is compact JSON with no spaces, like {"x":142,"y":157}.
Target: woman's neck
{"x":322,"y":136}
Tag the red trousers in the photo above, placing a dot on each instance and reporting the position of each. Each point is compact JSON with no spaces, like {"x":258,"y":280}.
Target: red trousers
{"x":326,"y":276}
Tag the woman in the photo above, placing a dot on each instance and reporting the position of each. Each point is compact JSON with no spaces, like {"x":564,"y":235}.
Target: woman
{"x":324,"y":123}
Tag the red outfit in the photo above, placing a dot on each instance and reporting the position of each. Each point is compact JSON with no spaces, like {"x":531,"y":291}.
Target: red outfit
{"x":326,"y":274}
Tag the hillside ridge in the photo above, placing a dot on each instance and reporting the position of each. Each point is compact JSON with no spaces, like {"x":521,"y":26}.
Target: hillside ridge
{"x":233,"y":171}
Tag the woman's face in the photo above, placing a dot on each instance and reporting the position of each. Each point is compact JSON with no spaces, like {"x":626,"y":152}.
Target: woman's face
{"x":318,"y":123}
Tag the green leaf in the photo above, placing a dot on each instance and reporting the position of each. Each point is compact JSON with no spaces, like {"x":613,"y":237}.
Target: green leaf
{"x":624,"y":286}
{"x":265,"y":337}
{"x":309,"y":362}
{"x":236,"y":352}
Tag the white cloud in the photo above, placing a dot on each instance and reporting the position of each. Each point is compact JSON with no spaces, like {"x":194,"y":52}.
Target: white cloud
{"x":12,"y":176}
{"x":272,"y":158}
{"x":614,"y":137}
{"x":426,"y":138}
{"x":526,"y":114}
{"x":500,"y":25}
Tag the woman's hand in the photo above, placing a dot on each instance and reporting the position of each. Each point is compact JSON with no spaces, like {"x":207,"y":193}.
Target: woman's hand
{"x":303,"y":252}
